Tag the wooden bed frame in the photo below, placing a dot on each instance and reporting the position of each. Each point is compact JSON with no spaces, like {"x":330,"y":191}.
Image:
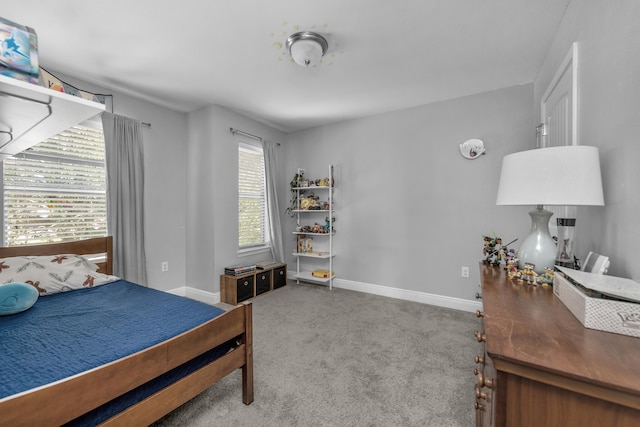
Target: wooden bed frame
{"x":65,"y":400}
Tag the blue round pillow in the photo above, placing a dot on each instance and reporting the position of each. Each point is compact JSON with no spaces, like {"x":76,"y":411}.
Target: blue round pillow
{"x":17,"y":297}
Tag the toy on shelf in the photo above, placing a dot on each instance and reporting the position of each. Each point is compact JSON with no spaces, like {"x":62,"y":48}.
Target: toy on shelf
{"x":528,"y":276}
{"x":327,"y":225}
{"x":321,"y":182}
{"x":300,"y":189}
{"x":309,"y":202}
{"x":317,"y":228}
{"x":293,"y":185}
{"x":305,"y":244}
{"x":547,"y":277}
{"x":495,"y":252}
{"x":19,"y":52}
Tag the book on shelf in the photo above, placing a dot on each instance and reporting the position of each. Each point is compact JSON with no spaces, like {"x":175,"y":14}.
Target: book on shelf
{"x":238,"y":270}
{"x":318,"y":253}
{"x":264,"y":265}
{"x":305,"y":244}
{"x":324,"y":274}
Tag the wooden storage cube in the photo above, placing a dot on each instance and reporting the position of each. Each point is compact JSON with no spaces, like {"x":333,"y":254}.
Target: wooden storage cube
{"x":244,"y":288}
{"x":235,"y":289}
{"x":279,"y":277}
{"x":263,"y":282}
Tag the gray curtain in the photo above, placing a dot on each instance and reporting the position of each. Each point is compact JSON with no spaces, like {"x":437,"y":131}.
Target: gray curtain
{"x":273,"y":207}
{"x":125,"y":198}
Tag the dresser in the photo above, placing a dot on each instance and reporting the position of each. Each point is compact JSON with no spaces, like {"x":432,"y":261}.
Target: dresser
{"x":541,"y":367}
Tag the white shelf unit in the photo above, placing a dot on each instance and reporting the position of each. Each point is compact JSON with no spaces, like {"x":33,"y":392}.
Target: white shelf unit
{"x":30,"y":114}
{"x":324,"y":239}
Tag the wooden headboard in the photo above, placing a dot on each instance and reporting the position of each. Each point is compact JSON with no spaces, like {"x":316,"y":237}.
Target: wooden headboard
{"x":95,"y":246}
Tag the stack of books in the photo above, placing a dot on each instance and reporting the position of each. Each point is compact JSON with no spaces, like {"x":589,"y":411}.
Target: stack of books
{"x":239,"y":270}
{"x":264,"y":265}
{"x":322,"y":273}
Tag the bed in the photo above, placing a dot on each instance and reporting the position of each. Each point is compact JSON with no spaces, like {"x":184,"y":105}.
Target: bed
{"x":167,"y":373}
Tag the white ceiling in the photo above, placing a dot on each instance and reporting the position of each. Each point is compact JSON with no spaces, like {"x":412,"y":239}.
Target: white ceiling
{"x":383,"y":55}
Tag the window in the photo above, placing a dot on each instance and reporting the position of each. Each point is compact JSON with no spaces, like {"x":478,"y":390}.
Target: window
{"x":56,"y":190}
{"x":252,"y":212}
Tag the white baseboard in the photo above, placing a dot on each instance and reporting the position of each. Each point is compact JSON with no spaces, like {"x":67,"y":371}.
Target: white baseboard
{"x":407,"y":295}
{"x":385,"y":291}
{"x":197,"y":294}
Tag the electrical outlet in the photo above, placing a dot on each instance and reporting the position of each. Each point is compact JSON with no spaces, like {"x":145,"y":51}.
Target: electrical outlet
{"x":464,"y":272}
{"x":165,"y":265}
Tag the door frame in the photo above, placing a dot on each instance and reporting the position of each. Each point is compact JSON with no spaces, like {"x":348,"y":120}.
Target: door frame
{"x":568,"y":65}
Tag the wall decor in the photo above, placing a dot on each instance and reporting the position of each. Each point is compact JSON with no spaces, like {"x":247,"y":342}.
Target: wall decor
{"x":472,"y":148}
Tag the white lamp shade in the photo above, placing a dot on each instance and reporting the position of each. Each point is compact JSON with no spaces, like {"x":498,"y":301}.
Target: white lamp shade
{"x":567,"y":175}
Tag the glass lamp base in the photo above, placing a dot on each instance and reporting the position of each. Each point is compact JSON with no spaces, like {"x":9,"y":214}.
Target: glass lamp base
{"x":538,"y":248}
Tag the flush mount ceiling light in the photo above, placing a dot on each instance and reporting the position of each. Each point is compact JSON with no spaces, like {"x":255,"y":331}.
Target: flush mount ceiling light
{"x":306,"y":48}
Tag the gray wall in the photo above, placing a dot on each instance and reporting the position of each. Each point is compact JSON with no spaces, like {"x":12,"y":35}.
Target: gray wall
{"x":165,"y":160}
{"x":191,"y":202}
{"x":212,"y":193}
{"x":411,"y":210}
{"x":608,"y":39}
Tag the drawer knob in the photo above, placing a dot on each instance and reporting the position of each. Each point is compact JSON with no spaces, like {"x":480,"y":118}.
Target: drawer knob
{"x":480,"y":360}
{"x":482,"y":381}
{"x":488,"y":382}
{"x":481,"y":394}
{"x":480,"y":336}
{"x":478,"y":295}
{"x":479,"y":313}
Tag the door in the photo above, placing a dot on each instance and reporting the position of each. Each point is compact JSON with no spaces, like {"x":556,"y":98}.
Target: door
{"x":558,"y":109}
{"x":558,"y":119}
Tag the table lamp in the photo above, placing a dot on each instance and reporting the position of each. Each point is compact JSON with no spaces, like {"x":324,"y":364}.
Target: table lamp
{"x":561,"y":176}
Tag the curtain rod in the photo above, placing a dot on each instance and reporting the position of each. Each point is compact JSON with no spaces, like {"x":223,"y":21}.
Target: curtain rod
{"x":232,"y":130}
{"x":143,"y":124}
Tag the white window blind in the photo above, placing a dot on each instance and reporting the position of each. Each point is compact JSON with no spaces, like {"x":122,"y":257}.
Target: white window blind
{"x":252,"y":213}
{"x":56,"y":190}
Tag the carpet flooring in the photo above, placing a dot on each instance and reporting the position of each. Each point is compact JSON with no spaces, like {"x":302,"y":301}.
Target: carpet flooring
{"x":344,"y":358}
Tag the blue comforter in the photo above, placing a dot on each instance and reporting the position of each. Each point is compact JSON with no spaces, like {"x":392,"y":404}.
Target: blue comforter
{"x":71,"y":332}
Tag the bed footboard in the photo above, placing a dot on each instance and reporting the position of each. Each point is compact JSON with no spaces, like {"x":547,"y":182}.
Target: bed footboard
{"x":170,"y":398}
{"x":66,"y":400}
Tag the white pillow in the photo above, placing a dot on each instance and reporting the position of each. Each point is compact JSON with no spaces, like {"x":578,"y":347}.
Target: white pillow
{"x":51,"y":274}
